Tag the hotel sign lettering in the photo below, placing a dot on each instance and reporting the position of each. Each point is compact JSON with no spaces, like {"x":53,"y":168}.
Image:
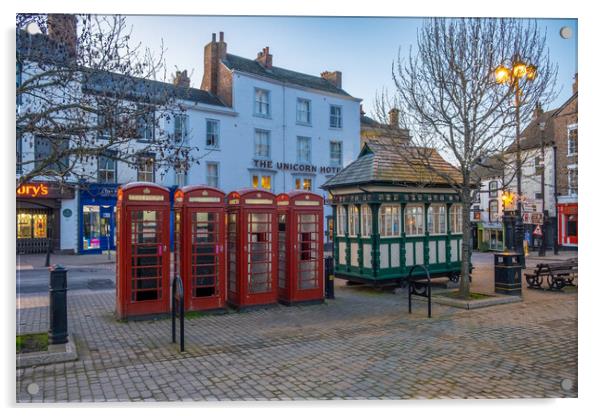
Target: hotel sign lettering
{"x":295,"y":167}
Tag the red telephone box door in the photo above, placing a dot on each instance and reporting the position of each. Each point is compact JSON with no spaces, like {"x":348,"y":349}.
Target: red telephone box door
{"x":207,"y":257}
{"x":149,"y":269}
{"x":308,"y":257}
{"x":259,"y":258}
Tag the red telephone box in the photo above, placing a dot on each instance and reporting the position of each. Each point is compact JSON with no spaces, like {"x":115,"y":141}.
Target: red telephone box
{"x":199,"y":238}
{"x":300,"y":247}
{"x":252,"y":248}
{"x":143,"y":258}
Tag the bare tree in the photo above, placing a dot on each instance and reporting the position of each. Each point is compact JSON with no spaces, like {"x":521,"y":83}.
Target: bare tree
{"x":85,"y":94}
{"x":452,"y":103}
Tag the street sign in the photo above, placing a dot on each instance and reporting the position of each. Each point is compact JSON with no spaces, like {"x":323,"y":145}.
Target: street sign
{"x":532,"y":205}
{"x":537,"y":232}
{"x":537,"y":218}
{"x":527,"y":218}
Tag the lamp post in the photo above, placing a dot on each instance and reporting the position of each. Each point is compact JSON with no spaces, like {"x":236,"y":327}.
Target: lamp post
{"x":542,"y":246}
{"x":512,"y":76}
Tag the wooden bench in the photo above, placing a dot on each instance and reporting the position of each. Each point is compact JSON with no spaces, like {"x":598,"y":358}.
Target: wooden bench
{"x":558,"y":274}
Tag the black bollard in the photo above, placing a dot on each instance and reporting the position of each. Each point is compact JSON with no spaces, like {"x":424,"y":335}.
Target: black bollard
{"x":57,"y":334}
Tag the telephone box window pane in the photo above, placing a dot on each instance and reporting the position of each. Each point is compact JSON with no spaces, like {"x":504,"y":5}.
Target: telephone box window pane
{"x":259,"y":239}
{"x":232,"y":253}
{"x":281,"y":250}
{"x":147,"y":259}
{"x":307,"y":233}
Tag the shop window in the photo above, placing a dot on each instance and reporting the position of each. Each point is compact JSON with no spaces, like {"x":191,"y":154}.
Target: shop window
{"x":436,"y":219}
{"x":91,"y":227}
{"x":341,"y":221}
{"x":353,"y":220}
{"x":456,"y":219}
{"x":32,"y":224}
{"x":389,"y":221}
{"x":571,"y":225}
{"x":414,"y":220}
{"x":366,"y":221}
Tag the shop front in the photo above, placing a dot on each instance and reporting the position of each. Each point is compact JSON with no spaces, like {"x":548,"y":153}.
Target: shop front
{"x":568,"y":222}
{"x":491,"y":236}
{"x":97,"y":218}
{"x":38,"y":216}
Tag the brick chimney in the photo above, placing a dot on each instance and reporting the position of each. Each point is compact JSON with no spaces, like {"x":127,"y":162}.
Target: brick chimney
{"x":62,"y":28}
{"x":575,"y":85}
{"x":264,"y":57}
{"x":538,"y":111}
{"x":181,"y":79}
{"x":334,"y":77}
{"x":213,"y":54}
{"x":394,"y":118}
{"x":362,"y":112}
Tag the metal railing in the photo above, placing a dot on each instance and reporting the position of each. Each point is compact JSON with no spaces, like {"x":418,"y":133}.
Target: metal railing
{"x":418,"y":287}
{"x":177,"y":308}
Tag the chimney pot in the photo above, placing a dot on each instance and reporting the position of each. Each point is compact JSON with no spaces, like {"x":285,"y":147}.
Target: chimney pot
{"x":394,"y":118}
{"x":213,"y":37}
{"x":221,"y":36}
{"x":265,"y":58}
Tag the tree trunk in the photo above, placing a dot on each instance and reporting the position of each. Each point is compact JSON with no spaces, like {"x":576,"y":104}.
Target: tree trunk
{"x":466,"y":247}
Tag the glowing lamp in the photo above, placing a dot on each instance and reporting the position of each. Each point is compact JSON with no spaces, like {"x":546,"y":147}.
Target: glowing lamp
{"x":531,"y":72}
{"x":519,"y":69}
{"x":502,"y":74}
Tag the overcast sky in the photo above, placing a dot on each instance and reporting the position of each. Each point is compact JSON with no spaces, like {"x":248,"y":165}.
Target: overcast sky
{"x":363,"y":49}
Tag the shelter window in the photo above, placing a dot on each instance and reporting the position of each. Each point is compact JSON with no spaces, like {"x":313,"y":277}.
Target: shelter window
{"x":353,"y":220}
{"x":456,"y":219}
{"x":366,"y":221}
{"x":341,"y":221}
{"x":436,"y":219}
{"x":388,"y":225}
{"x":414,"y":220}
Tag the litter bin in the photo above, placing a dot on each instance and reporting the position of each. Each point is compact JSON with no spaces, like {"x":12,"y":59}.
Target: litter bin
{"x":508,"y":274}
{"x":329,"y":277}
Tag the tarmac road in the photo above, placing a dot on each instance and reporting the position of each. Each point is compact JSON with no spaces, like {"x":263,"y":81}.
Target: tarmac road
{"x":83,"y":277}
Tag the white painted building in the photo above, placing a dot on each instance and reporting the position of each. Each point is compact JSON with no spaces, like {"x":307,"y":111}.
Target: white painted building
{"x":254,"y":124}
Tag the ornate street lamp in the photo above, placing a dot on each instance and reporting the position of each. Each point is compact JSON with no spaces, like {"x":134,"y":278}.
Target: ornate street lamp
{"x":512,"y":76}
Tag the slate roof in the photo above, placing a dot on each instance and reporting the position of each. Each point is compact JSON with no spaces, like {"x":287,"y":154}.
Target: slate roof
{"x":41,"y":48}
{"x":380,"y":164}
{"x":531,"y":135}
{"x":250,"y":66}
{"x":128,"y":87}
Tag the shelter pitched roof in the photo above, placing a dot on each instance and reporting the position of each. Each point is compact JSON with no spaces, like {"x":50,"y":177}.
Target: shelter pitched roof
{"x":400,"y":165}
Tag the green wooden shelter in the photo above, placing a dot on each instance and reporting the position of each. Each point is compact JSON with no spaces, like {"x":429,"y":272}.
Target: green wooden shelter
{"x":391,"y":213}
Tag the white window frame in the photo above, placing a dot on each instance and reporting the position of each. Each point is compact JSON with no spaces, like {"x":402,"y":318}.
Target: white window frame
{"x":455,"y":219}
{"x":332,"y":161}
{"x":180,"y":120}
{"x":493,"y":202}
{"x":432,"y":216}
{"x":366,"y":214}
{"x":570,"y":128}
{"x":102,"y":170}
{"x":300,"y":157}
{"x":392,"y":217}
{"x":299,"y":182}
{"x":338,"y":125}
{"x":216,"y":134}
{"x":142,"y":175}
{"x":353,"y":219}
{"x":415,"y":212}
{"x":216,"y":164}
{"x":268,"y":144}
{"x":341,"y":221}
{"x":569,"y":187}
{"x":260,"y":175}
{"x":258,"y":104}
{"x":305,"y":121}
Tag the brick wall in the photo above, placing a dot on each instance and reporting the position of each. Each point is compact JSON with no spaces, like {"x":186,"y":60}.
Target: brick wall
{"x":567,"y":116}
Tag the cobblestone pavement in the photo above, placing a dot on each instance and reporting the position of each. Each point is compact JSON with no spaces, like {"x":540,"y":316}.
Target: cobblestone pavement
{"x":362,"y":345}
